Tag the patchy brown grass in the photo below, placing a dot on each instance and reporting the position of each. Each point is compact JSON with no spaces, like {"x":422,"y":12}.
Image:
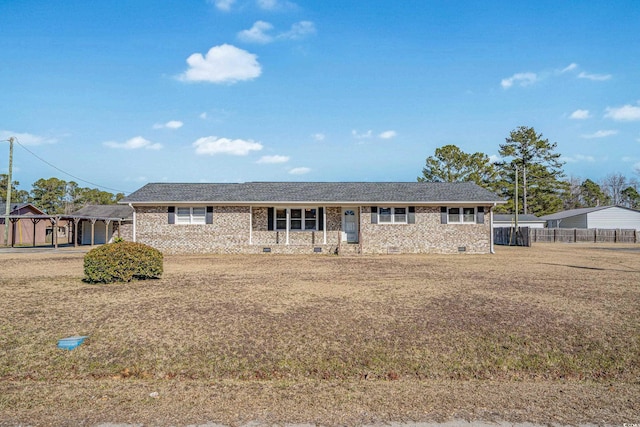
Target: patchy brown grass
{"x":545,"y":334}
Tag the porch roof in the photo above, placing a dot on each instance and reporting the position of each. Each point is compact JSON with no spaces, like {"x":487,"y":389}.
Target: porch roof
{"x":312,"y":192}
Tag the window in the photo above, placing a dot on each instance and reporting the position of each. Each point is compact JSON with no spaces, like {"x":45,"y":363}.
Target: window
{"x":392,"y":215}
{"x":191,"y":215}
{"x":462,"y":215}
{"x":299,"y":219}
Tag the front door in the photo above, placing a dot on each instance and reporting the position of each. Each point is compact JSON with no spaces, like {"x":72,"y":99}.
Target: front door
{"x":350,"y":223}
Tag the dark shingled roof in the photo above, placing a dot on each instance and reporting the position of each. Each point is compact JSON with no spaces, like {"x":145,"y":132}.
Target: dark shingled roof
{"x":105,"y":211}
{"x":302,"y":192}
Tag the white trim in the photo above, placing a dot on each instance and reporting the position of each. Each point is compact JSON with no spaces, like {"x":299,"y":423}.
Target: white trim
{"x":324,"y":224}
{"x":333,"y":203}
{"x":134,"y":223}
{"x":491,"y":248}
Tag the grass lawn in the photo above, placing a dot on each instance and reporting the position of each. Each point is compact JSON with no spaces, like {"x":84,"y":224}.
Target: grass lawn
{"x":549,"y":334}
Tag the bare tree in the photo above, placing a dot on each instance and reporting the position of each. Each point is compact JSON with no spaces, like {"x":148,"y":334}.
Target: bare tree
{"x":613,"y":185}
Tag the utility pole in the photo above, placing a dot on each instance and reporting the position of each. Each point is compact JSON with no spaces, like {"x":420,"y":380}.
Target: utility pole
{"x":7,"y":210}
{"x":516,"y":199}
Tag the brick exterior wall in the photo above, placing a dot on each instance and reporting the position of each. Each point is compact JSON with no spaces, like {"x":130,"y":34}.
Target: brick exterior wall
{"x":427,"y":235}
{"x":230,"y":233}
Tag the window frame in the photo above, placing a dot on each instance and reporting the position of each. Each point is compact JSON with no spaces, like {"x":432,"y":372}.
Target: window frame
{"x":192,"y":218}
{"x":393,"y":215}
{"x":461,"y":214}
{"x":302,"y":219}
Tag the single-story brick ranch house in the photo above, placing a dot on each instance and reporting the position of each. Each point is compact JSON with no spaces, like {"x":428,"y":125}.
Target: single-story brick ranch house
{"x":314,"y":217}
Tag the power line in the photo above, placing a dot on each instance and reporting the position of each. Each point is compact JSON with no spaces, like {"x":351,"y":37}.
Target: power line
{"x":67,"y":173}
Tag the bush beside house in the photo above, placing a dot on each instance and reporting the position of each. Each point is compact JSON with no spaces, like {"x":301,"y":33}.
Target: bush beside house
{"x":122,"y":262}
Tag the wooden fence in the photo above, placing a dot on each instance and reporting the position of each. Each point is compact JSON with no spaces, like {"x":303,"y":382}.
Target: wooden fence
{"x":577,"y":235}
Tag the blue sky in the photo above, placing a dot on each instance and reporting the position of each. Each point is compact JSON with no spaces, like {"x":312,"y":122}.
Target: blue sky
{"x":120,"y":93}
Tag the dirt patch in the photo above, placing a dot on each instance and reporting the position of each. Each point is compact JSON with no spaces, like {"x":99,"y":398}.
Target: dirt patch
{"x":549,"y":334}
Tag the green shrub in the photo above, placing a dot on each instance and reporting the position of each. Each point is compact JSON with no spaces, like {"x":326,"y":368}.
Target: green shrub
{"x":122,"y":262}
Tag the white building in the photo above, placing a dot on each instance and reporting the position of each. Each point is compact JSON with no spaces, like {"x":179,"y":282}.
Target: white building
{"x":506,"y":220}
{"x":608,"y":217}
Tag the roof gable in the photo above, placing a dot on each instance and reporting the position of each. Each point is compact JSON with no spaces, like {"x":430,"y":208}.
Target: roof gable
{"x":20,"y":206}
{"x":303,"y":192}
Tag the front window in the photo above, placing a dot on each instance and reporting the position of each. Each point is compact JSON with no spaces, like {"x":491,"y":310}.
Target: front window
{"x":462,"y":215}
{"x":191,"y":215}
{"x":393,"y":215}
{"x":299,"y":219}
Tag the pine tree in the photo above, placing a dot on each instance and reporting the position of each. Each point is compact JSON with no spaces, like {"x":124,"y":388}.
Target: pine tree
{"x":538,"y":168}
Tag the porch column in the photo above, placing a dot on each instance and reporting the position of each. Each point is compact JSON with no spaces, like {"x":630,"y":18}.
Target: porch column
{"x":107,"y":223}
{"x":250,"y":225}
{"x":75,"y":232}
{"x":93,"y":230}
{"x":134,"y":222}
{"x":324,"y":224}
{"x":13,"y":230}
{"x":288,"y":211}
{"x":491,"y":250}
{"x":54,"y":241}
{"x":34,"y":221}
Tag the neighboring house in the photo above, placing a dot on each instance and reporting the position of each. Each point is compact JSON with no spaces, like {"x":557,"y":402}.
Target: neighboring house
{"x":604,"y":217}
{"x":33,"y":229}
{"x":308,"y":217}
{"x":528,"y":220}
{"x":98,"y":224}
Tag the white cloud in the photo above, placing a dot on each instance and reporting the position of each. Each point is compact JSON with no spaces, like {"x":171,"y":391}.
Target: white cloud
{"x":494,"y":158}
{"x":522,"y":79}
{"x":569,"y":67}
{"x":594,"y":77}
{"x":134,"y":143}
{"x":365,"y":135}
{"x":257,"y":33}
{"x":579,"y":158}
{"x":299,"y":171}
{"x":628,"y":159}
{"x":318,"y":136}
{"x":388,"y":134}
{"x":626,"y":113}
{"x":171,"y":124}
{"x":222,"y":64}
{"x":600,"y":134}
{"x":275,"y":4}
{"x":26,"y":138}
{"x":213,"y":145}
{"x":203,"y":115}
{"x":273,"y":159}
{"x":299,"y":30}
{"x":224,"y":5}
{"x":580,"y":115}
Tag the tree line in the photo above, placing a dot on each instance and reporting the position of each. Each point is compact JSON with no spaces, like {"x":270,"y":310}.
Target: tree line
{"x":531,"y":162}
{"x":56,"y":196}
